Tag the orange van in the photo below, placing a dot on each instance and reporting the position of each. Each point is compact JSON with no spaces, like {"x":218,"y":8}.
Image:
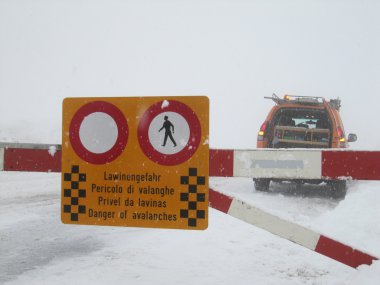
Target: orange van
{"x":304,"y":122}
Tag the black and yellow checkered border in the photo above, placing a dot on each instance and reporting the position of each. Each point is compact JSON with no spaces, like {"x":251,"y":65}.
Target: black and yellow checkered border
{"x":74,"y":193}
{"x":193,"y":197}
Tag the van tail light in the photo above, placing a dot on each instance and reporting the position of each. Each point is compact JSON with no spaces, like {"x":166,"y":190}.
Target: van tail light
{"x":260,"y":136}
{"x":341,"y":135}
{"x":342,"y":139}
{"x":263,"y":127}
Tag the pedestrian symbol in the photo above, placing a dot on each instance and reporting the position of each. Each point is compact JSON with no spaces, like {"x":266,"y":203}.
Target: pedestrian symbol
{"x":168,"y":136}
{"x":168,"y":126}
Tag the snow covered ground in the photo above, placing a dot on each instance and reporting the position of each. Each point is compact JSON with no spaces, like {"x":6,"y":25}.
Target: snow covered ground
{"x":36,"y":248}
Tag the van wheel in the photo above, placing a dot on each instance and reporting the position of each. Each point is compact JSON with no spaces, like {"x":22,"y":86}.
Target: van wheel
{"x":262,"y":184}
{"x":338,"y":189}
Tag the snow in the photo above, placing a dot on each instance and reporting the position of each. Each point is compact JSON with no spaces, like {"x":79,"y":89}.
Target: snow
{"x":367,"y":275}
{"x":235,"y":52}
{"x":52,"y":150}
{"x":36,"y":248}
{"x":165,"y":104}
{"x":39,"y":249}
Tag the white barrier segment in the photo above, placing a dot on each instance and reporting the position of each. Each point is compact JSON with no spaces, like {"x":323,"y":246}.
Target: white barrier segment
{"x":273,"y":224}
{"x":1,"y":159}
{"x":278,"y":163}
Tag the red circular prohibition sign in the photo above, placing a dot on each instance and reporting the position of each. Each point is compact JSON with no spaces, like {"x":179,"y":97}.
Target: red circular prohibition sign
{"x":122,"y":135}
{"x":194,"y":138}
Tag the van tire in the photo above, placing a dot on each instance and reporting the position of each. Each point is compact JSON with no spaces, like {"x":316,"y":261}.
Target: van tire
{"x":262,"y":184}
{"x":338,"y":189}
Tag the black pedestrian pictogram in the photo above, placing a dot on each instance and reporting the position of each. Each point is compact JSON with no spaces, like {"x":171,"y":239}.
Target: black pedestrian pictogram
{"x":74,"y":193}
{"x":193,"y":197}
{"x":168,"y":126}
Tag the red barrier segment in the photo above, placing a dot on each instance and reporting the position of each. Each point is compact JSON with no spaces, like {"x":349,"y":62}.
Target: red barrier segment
{"x":221,"y":162}
{"x":38,"y":160}
{"x":288,"y":230}
{"x":219,"y":201}
{"x":343,"y":253}
{"x":360,"y":165}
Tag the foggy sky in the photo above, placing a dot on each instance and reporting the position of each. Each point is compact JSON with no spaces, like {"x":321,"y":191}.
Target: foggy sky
{"x":235,"y":52}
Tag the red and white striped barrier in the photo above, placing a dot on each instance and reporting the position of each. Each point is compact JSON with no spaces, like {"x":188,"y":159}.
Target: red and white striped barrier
{"x":296,"y":163}
{"x":268,"y":163}
{"x":307,"y":164}
{"x":288,"y":230}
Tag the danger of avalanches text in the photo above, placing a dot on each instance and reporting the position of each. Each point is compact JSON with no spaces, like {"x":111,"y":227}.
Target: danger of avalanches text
{"x":117,"y":202}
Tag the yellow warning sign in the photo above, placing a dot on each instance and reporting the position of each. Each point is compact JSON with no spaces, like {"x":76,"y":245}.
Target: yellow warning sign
{"x":136,"y":162}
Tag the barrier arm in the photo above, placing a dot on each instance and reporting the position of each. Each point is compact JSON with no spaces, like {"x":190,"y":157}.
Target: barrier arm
{"x":313,"y":164}
{"x":288,"y":230}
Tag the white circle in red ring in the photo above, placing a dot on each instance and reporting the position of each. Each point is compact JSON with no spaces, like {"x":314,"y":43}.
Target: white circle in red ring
{"x":181,"y":135}
{"x":98,"y":132}
{"x":194,"y":139}
{"x":122,"y":128}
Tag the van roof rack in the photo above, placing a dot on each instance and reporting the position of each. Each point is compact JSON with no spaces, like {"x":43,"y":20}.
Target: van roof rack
{"x":306,"y":100}
{"x":335,"y":103}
